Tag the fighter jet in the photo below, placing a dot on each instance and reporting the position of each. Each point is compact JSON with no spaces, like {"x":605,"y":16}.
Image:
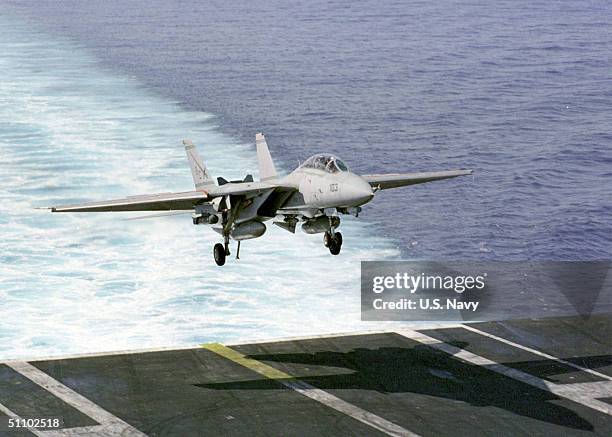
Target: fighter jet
{"x":315,"y":194}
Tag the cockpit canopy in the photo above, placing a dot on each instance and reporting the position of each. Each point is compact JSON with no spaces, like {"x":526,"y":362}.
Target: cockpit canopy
{"x":328,"y":163}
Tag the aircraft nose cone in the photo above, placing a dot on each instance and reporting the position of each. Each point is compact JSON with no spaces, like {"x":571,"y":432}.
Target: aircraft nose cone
{"x":359,"y":192}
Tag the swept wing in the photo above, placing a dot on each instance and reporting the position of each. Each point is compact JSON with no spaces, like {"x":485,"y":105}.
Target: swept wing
{"x":185,"y":201}
{"x":394,"y":180}
{"x":147,"y":202}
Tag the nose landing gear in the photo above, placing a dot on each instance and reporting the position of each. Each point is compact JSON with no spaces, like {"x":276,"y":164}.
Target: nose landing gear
{"x":333,"y":242}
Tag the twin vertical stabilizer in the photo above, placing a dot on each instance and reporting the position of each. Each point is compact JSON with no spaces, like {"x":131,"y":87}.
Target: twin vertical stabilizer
{"x":201,"y":177}
{"x":267,"y":171}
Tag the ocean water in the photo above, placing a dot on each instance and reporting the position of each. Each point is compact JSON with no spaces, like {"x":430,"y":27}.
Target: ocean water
{"x":95,"y":98}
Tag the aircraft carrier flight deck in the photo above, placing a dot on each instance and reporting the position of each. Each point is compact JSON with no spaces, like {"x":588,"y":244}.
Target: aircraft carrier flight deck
{"x":525,"y":377}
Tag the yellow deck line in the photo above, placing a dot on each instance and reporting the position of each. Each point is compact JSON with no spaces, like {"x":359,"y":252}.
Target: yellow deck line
{"x":311,"y":392}
{"x":235,"y":356}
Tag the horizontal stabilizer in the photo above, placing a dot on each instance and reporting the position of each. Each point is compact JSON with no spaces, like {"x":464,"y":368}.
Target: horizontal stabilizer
{"x":223,"y":181}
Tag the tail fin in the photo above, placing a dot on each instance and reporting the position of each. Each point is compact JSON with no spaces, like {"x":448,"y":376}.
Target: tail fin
{"x":267,"y":171}
{"x":201,"y":177}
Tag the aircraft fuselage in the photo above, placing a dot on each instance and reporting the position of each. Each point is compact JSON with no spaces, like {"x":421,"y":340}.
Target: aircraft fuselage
{"x":330,"y":190}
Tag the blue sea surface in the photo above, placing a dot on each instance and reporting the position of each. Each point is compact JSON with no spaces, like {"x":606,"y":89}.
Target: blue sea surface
{"x":95,"y":98}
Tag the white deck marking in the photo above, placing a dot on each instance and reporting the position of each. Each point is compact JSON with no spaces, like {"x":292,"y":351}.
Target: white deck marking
{"x":537,"y":352}
{"x":584,"y":394}
{"x":589,"y":389}
{"x":110,"y":424}
{"x":351,"y":410}
{"x":85,"y":431}
{"x":311,"y":392}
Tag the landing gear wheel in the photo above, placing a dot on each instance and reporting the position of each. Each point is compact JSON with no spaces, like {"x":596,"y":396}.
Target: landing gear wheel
{"x":219,"y":252}
{"x":335,"y":243}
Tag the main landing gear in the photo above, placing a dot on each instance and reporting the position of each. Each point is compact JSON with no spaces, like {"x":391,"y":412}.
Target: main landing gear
{"x":333,"y":241}
{"x":220,"y":251}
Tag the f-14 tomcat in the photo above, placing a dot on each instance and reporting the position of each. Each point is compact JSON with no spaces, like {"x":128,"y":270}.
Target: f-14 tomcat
{"x":314,"y":194}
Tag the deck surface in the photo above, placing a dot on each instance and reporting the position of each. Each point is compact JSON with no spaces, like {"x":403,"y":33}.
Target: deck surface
{"x":530,"y":377}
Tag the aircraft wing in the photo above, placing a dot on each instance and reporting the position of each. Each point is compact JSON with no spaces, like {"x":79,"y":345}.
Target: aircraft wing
{"x":394,"y":180}
{"x":185,"y":201}
{"x":147,"y":202}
